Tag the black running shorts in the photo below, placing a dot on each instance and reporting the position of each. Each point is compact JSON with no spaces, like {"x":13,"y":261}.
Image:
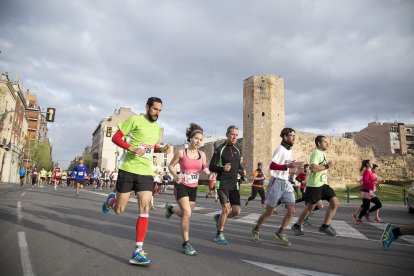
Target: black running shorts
{"x":181,"y":191}
{"x":314,"y":194}
{"x":128,"y":182}
{"x":229,"y":196}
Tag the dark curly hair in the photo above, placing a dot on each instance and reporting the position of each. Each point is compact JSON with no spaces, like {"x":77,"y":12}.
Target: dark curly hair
{"x":192,"y":130}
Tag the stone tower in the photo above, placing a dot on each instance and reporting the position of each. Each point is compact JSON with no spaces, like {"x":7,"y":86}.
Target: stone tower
{"x":263,"y":119}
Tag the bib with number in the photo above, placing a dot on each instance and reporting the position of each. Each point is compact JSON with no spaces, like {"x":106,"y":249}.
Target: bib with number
{"x":189,"y":178}
{"x":148,"y":150}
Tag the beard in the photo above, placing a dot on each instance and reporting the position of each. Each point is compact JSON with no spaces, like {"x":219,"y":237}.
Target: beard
{"x":151,"y":118}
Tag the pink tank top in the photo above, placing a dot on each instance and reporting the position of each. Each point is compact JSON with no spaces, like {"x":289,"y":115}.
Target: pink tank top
{"x":190,"y":170}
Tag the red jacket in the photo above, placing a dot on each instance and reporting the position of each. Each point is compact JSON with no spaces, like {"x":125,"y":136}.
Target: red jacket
{"x":368,"y":180}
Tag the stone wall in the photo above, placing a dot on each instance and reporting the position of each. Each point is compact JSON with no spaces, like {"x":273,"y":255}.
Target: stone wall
{"x":347,"y":156}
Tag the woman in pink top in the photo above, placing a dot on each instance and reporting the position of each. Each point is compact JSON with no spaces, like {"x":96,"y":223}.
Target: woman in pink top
{"x":192,"y":162}
{"x":369,"y":181}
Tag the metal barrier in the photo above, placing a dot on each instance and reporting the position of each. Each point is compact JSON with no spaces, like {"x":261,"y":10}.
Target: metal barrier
{"x":394,"y":189}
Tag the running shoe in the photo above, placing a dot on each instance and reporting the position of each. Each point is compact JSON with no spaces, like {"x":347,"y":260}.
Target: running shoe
{"x":307,"y":222}
{"x":216,"y":218}
{"x":355,"y":218}
{"x":328,"y":231}
{"x":298,"y":230}
{"x":220,"y":239}
{"x":366,"y":216}
{"x":206,"y":196}
{"x":256,"y":236}
{"x":388,"y":236}
{"x":378,"y":220}
{"x":189,"y":250}
{"x":359,"y":222}
{"x":168,"y":208}
{"x":245,"y":205}
{"x":283,"y":238}
{"x":105,"y":206}
{"x":138,"y":258}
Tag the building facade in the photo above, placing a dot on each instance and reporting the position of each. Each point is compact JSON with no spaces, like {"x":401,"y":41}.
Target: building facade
{"x":13,"y":129}
{"x":105,"y":154}
{"x":387,"y":138}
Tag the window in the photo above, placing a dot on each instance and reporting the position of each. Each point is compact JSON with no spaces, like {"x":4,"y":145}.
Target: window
{"x":394,"y":129}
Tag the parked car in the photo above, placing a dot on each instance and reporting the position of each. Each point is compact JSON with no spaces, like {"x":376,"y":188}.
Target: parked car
{"x":410,"y":198}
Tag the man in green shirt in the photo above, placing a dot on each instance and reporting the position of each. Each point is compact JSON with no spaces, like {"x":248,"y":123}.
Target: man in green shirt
{"x":317,"y":188}
{"x":135,"y":169}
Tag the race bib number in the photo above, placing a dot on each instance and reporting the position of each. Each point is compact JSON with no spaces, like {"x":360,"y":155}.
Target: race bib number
{"x":189,"y":178}
{"x":148,"y":150}
{"x":80,"y":173}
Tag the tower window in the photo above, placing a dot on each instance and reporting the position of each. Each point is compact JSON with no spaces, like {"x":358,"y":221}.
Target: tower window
{"x":263,"y":113}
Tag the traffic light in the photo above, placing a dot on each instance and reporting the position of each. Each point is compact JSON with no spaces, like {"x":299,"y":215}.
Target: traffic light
{"x":50,"y":114}
{"x":108,"y":131}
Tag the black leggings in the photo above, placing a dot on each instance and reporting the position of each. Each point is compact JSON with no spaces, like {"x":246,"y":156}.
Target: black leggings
{"x":256,"y":190}
{"x":365,"y":206}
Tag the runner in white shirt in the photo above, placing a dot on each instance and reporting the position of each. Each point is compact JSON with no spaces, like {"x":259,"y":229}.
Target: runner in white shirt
{"x":279,"y":187}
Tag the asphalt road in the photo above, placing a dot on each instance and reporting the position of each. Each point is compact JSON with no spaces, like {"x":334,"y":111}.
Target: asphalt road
{"x":47,"y":232}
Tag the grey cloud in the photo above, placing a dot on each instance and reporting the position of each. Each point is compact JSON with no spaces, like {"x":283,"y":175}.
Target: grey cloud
{"x":344,"y":63}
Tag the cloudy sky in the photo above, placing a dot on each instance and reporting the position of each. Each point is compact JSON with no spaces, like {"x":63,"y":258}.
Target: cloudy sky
{"x":344,"y":63}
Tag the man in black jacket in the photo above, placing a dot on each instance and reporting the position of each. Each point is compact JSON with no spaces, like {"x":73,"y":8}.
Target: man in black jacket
{"x":226,"y":162}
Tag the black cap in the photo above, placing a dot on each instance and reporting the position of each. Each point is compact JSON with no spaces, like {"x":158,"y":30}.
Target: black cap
{"x":260,"y":164}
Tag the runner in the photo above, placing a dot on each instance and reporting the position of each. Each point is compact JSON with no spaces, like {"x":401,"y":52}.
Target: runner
{"x":34,"y":175}
{"x":378,"y":181}
{"x":166,"y":178}
{"x":392,"y":233}
{"x":57,"y":175}
{"x":279,"y":187}
{"x":157,"y":182}
{"x":49,"y":177}
{"x":43,"y":175}
{"x":114,"y":178}
{"x":64,"y":178}
{"x":369,"y":181}
{"x":104,"y":178}
{"x":22,"y":174}
{"x":257,"y":186}
{"x":317,"y":188}
{"x":80,"y":174}
{"x":96,"y":176}
{"x":212,"y":186}
{"x":192,"y":162}
{"x":301,"y":178}
{"x":135,"y":171}
{"x":226,"y":163}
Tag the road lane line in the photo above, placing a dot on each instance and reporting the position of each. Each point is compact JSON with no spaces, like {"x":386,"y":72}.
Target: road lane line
{"x":23,"y":194}
{"x":285,"y":270}
{"x":24,"y":254}
{"x":19,"y":211}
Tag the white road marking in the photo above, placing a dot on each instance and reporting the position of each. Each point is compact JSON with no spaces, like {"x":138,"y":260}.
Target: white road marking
{"x":24,"y":254}
{"x":250,"y":218}
{"x":285,"y":270}
{"x":23,"y":194}
{"x":19,"y":211}
{"x":343,"y":229}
